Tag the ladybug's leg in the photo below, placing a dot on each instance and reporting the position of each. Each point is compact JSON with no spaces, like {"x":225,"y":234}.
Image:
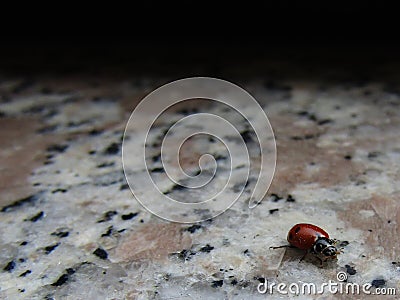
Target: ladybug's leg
{"x":335,"y":243}
{"x":330,"y":257}
{"x":283,"y":246}
{"x":304,"y":256}
{"x":320,"y":260}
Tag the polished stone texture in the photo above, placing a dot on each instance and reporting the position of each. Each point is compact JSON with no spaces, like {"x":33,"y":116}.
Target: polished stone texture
{"x":69,"y":225}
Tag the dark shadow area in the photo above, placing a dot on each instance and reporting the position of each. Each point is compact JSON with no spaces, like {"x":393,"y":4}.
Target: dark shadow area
{"x":174,"y":58}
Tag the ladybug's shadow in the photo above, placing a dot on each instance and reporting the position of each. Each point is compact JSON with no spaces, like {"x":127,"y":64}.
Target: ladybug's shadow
{"x":293,"y":254}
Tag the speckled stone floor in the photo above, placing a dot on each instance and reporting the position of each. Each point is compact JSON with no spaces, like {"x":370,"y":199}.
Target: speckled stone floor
{"x":71,"y":229}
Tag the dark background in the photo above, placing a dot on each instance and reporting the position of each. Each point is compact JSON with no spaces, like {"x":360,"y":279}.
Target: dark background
{"x":198,"y":38}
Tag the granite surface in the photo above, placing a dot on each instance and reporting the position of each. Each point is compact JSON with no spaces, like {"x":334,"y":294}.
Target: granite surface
{"x":70,"y":227}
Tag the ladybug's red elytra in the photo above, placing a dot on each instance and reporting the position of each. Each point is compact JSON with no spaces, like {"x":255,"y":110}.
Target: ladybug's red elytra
{"x":311,"y":238}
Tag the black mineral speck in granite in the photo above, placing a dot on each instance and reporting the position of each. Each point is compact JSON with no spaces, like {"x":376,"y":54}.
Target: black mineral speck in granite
{"x":59,"y":191}
{"x":185,"y":254}
{"x":247,"y":136}
{"x":207,"y":248}
{"x":9,"y":266}
{"x":105,"y":165}
{"x":302,"y":113}
{"x":70,"y":271}
{"x":60,"y":233}
{"x":290,"y":198}
{"x":272,"y":211}
{"x":260,"y":279}
{"x":47,"y":129}
{"x":95,"y":132}
{"x":108,"y":179}
{"x":156,"y":158}
{"x":129,"y":216}
{"x":108,"y":232}
{"x":309,"y":136}
{"x":350,"y":270}
{"x":218,"y":157}
{"x":35,"y":109}
{"x":112,"y":149}
{"x":23,"y":243}
{"x":57,"y":148}
{"x":76,"y":124}
{"x":186,"y":111}
{"x":92,"y":152}
{"x":124,"y":187}
{"x":225,"y":242}
{"x":100,"y":253}
{"x":196,"y":173}
{"x":28,"y":200}
{"x":343,"y":243}
{"x":156,"y":145}
{"x":234,"y":282}
{"x":61,"y":280}
{"x":51,"y":113}
{"x":378,"y":282}
{"x":157,"y":170}
{"x":238,"y":187}
{"x":246,"y":252}
{"x":312,"y":117}
{"x":50,"y":248}
{"x":348,"y":157}
{"x":37,"y":217}
{"x":373,"y":154}
{"x":276,"y":198}
{"x":217,"y":283}
{"x":193,"y":228}
{"x":48,"y":297}
{"x":176,"y":187}
{"x":325,"y":121}
{"x":25,"y":273}
{"x":107,"y":216}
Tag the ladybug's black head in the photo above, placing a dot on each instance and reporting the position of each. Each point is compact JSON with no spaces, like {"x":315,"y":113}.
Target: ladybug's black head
{"x":324,"y":246}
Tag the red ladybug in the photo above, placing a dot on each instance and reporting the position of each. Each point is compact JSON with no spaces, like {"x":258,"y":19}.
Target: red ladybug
{"x":311,"y":238}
